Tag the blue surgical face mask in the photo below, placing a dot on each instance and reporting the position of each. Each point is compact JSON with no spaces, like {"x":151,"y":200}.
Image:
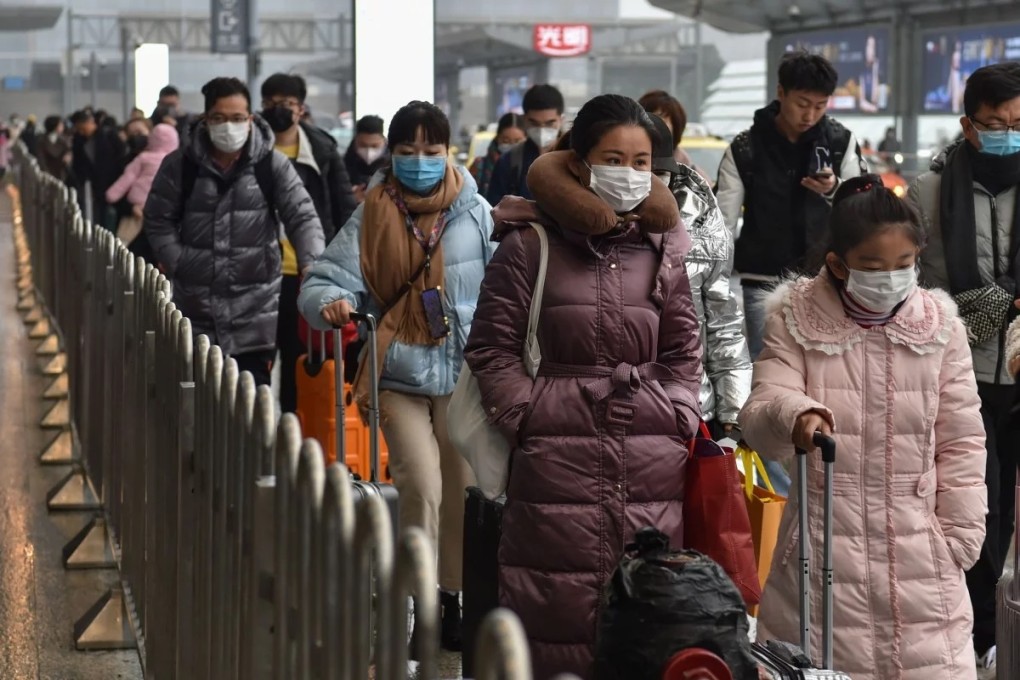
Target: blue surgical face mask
{"x":999,"y":142}
{"x":420,"y":174}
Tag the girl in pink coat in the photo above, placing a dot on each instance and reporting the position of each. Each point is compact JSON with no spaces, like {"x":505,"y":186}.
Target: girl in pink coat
{"x":136,"y":181}
{"x":861,"y":353}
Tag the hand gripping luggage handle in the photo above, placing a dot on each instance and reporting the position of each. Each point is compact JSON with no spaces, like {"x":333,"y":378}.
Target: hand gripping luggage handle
{"x":373,"y":392}
{"x":828,"y":448}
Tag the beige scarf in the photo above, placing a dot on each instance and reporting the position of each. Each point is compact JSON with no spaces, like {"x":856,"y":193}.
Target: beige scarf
{"x":390,"y":255}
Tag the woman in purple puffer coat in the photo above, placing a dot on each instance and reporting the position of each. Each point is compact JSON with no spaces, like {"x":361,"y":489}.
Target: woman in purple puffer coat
{"x":600,"y":436}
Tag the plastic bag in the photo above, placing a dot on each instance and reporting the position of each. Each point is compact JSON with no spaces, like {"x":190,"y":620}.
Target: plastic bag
{"x":660,"y":602}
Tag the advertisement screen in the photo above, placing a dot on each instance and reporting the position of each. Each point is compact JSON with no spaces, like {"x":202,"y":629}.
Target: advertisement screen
{"x":510,"y":86}
{"x":860,"y":57}
{"x":952,"y":54}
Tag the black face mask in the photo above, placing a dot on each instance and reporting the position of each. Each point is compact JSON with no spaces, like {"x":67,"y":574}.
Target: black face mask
{"x":280,"y":118}
{"x":137,"y":143}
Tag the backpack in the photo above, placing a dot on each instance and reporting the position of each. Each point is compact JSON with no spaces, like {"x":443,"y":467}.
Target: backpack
{"x":743,"y":152}
{"x":263,"y":176}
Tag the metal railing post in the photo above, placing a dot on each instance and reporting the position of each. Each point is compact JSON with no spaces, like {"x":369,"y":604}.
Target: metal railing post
{"x":306,"y":506}
{"x":373,"y":564}
{"x":220,"y":542}
{"x":205,"y":414}
{"x":288,"y":451}
{"x":503,"y":652}
{"x":182,"y":551}
{"x":414,"y":575}
{"x":190,"y":630}
{"x":337,"y":535}
{"x":258,"y":539}
{"x":238,"y":461}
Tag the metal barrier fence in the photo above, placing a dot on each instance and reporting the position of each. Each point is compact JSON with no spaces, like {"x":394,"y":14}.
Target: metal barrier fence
{"x":241,"y":555}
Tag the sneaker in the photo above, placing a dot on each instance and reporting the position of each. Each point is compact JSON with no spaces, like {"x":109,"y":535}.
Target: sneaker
{"x":986,"y":665}
{"x":450,"y":621}
{"x":413,"y":645}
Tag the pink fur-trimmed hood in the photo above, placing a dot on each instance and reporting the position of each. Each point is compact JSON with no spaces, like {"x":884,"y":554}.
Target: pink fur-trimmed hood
{"x":815,"y":317}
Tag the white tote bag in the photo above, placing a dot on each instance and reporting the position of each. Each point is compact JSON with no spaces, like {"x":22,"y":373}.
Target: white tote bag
{"x":481,"y":445}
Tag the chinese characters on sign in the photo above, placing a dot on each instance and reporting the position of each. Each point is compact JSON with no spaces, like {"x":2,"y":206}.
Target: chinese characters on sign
{"x":562,"y":40}
{"x":229,"y":26}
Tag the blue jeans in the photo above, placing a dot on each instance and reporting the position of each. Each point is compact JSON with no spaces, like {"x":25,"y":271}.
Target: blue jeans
{"x":754,"y":318}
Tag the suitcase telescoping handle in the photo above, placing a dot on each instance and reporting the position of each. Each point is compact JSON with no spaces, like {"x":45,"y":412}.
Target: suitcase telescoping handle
{"x":309,"y":358}
{"x":373,"y":391}
{"x":828,"y":449}
{"x":338,"y":388}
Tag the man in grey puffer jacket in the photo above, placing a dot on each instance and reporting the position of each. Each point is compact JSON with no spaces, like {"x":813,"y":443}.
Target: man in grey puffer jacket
{"x":969,"y":206}
{"x":211,"y":218}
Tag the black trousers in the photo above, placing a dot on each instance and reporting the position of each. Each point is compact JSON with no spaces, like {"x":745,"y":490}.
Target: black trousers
{"x":1003,"y":438}
{"x":259,"y":364}
{"x":289,"y":342}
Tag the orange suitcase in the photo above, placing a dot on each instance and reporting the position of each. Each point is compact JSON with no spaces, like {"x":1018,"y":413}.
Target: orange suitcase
{"x":318,"y":383}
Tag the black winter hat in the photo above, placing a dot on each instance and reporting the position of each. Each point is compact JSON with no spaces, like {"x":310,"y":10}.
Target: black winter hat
{"x":662,"y":148}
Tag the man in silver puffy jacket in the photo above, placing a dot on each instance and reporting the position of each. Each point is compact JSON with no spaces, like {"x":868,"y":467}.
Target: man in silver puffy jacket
{"x":211,"y":218}
{"x":726,"y":380}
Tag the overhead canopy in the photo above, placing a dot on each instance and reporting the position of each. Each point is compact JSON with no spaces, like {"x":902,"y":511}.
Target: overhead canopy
{"x":784,"y":16}
{"x":464,"y":43}
{"x":28,"y":17}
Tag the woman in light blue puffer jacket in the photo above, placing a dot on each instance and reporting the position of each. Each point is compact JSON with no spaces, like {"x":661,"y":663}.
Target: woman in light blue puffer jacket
{"x":424,"y":209}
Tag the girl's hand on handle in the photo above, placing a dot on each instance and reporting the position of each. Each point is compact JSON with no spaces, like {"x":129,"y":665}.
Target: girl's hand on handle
{"x":804,"y":429}
{"x":337,"y":314}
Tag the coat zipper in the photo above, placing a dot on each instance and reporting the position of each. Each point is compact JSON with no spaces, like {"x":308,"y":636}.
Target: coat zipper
{"x":998,"y":272}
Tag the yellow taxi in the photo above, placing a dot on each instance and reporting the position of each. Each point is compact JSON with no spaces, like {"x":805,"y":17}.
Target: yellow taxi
{"x":706,"y":153}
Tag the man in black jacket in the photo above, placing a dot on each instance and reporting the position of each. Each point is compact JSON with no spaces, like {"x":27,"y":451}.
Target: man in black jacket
{"x":367,"y":154}
{"x":317,"y":161}
{"x":781,"y":175}
{"x":97,"y":158}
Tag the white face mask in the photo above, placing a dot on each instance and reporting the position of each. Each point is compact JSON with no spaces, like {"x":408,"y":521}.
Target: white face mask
{"x":370,"y":154}
{"x":504,"y":148}
{"x":623,"y":188}
{"x":542,"y":136}
{"x":881,"y":291}
{"x":229,"y":137}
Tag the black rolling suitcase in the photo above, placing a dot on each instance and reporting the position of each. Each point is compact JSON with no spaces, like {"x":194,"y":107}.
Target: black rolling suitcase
{"x":783,"y":660}
{"x":482,"y":530}
{"x":372,"y":486}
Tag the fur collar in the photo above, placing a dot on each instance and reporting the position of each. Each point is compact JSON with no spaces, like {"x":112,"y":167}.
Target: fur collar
{"x":815,"y":318}
{"x":561,"y":195}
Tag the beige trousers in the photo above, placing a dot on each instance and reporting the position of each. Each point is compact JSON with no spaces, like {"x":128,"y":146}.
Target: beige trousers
{"x":429,"y":474}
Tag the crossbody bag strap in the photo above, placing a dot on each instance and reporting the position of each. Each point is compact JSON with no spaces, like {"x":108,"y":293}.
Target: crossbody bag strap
{"x":532,"y":352}
{"x":409,"y":284}
{"x":404,"y":290}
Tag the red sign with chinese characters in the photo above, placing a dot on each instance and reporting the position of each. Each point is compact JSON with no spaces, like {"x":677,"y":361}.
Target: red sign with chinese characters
{"x":562,"y":40}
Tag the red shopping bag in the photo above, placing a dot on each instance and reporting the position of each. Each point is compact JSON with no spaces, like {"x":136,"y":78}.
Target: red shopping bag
{"x":715,"y":515}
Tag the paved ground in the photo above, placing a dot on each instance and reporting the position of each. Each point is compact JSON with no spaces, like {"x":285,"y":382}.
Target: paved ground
{"x":39,"y":599}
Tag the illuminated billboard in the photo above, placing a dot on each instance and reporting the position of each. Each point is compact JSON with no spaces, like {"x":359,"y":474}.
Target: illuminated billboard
{"x":952,"y":54}
{"x":861,"y":57}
